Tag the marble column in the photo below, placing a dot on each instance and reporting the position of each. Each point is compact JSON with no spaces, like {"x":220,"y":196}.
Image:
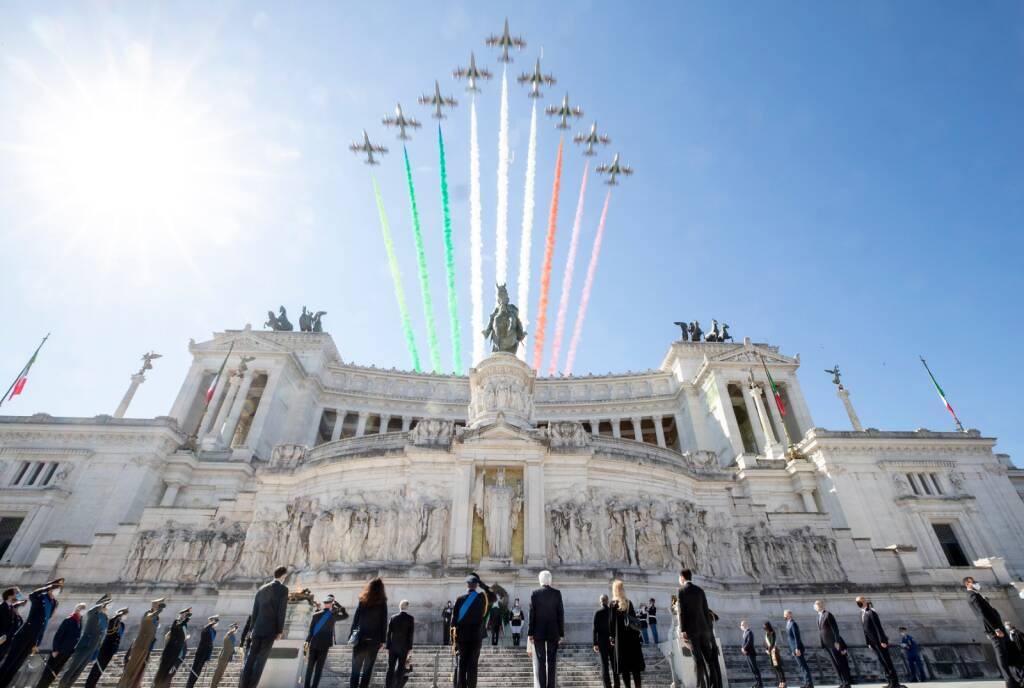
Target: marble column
{"x":595,"y":427}
{"x":339,"y":420}
{"x":638,"y":434}
{"x":616,"y":428}
{"x":682,"y":437}
{"x":534,"y":545}
{"x":213,"y":435}
{"x":406,"y":423}
{"x":223,"y":384}
{"x":170,"y":494}
{"x":228,"y":433}
{"x":122,"y":408}
{"x":733,"y":427}
{"x":361,"y":423}
{"x":259,"y":418}
{"x":755,"y":422}
{"x":384,"y":421}
{"x":461,"y":534}
{"x":774,"y":448}
{"x":697,"y":411}
{"x":659,"y":431}
{"x":844,"y":394}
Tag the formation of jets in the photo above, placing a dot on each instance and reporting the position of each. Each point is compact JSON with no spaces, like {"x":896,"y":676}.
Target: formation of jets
{"x":471,"y":74}
{"x":591,"y":139}
{"x":535,"y":79}
{"x":401,"y":121}
{"x":437,"y":101}
{"x":505,"y":41}
{"x":368,"y":148}
{"x":564,"y":112}
{"x":614,"y":169}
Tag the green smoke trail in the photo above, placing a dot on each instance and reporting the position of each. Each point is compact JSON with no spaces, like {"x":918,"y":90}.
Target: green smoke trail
{"x":396,"y":277}
{"x":421,"y":262}
{"x":449,"y":263}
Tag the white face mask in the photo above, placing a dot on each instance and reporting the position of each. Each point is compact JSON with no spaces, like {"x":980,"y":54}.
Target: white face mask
{"x":55,"y":592}
{"x":976,"y":586}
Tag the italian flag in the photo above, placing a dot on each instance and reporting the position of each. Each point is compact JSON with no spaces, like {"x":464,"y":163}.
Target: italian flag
{"x":775,"y":390}
{"x":942,"y":395}
{"x":18,"y":386}
{"x":216,"y":378}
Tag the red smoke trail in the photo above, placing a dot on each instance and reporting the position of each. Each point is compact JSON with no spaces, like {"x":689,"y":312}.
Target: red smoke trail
{"x":587,"y":284}
{"x":570,"y":266}
{"x":549,"y":250}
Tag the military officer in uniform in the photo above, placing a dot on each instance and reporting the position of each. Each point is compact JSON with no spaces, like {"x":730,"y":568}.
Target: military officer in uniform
{"x":468,"y":622}
{"x":93,"y":627}
{"x":320,"y":639}
{"x":204,"y":650}
{"x":174,"y":649}
{"x":227,"y":653}
{"x":109,"y":647}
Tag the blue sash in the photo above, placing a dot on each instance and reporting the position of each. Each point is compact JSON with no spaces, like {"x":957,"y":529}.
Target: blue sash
{"x":320,"y":624}
{"x":466,"y":605}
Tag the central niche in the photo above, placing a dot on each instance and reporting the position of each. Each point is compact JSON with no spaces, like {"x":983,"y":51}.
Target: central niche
{"x":498,"y":516}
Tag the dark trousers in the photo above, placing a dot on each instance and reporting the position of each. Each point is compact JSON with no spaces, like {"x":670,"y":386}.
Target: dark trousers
{"x":545,"y":663}
{"x":20,"y":647}
{"x":255,"y":660}
{"x":705,"y":656}
{"x":516,"y":636}
{"x":841,"y":663}
{"x":780,"y":672}
{"x":396,"y":669}
{"x":916,"y":667}
{"x":446,"y":637}
{"x":315,"y":665}
{"x":801,"y":661}
{"x":196,"y":671}
{"x":888,"y":668}
{"x":469,"y":656}
{"x":495,"y":632}
{"x":653,"y":625}
{"x":98,"y":667}
{"x":634,"y":675}
{"x":52,"y":668}
{"x":754,"y":669}
{"x":607,"y":670}
{"x":364,"y":655}
{"x":1001,"y":646}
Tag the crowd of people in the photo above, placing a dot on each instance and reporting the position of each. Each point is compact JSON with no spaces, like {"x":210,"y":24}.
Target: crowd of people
{"x":90,"y":636}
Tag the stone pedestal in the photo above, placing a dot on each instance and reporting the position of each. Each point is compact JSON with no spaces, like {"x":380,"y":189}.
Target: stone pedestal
{"x":844,"y":394}
{"x":501,"y":386}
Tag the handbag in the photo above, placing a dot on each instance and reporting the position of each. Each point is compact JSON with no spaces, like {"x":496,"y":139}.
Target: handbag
{"x":353,"y":637}
{"x":633,"y":623}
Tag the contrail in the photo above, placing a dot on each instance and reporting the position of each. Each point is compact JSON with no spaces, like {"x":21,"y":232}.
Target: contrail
{"x":501,"y":226}
{"x":526,"y":241}
{"x":476,"y":277}
{"x":570,"y":358}
{"x":449,"y":263}
{"x":421,"y":263}
{"x":570,"y":263}
{"x":549,"y":250}
{"x":396,"y":277}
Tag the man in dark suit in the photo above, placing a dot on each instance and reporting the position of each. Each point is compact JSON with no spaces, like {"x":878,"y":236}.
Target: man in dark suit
{"x":695,"y":629}
{"x":545,"y":630}
{"x":468,"y":622}
{"x":267,"y":624}
{"x":603,"y":644}
{"x":64,"y":642}
{"x":877,"y":640}
{"x":749,"y":653}
{"x":993,"y":629}
{"x":833,"y":643}
{"x":204,"y":650}
{"x":9,"y":620}
{"x":320,"y":639}
{"x":399,"y":644}
{"x":796,"y":646}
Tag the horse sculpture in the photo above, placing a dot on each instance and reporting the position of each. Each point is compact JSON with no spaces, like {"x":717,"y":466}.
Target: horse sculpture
{"x":505,"y":330}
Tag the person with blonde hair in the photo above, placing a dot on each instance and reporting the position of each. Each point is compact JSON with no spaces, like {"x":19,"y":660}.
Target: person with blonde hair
{"x":624,"y":635}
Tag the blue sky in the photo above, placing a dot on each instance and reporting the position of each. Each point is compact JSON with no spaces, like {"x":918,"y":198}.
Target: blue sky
{"x":843,"y":180}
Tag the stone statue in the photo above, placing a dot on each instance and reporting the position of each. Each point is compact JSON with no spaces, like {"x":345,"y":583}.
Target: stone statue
{"x":243,"y":364}
{"x":725,"y":333}
{"x":499,"y":506}
{"x":147,"y":361}
{"x":317,"y":324}
{"x":305,"y":321}
{"x":685,"y":330}
{"x":715,"y":335}
{"x":504,"y":329}
{"x":279,"y":322}
{"x":695,"y":332}
{"x":835,"y":376}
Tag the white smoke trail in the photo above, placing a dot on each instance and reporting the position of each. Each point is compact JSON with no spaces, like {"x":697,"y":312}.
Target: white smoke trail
{"x":501,"y":226}
{"x":526,"y":241}
{"x":588,"y":284}
{"x":476,"y":276}
{"x":570,"y":264}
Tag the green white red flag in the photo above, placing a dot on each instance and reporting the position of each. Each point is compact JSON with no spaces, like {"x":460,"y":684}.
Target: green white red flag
{"x":216,"y":378}
{"x":775,"y":390}
{"x":942,"y":395}
{"x":18,"y":386}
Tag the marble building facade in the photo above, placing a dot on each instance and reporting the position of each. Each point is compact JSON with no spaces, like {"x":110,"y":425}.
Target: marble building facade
{"x":344,"y":472}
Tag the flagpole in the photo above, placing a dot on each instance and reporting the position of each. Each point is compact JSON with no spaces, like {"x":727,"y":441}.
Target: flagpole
{"x":942,"y":395}
{"x":24,"y":369}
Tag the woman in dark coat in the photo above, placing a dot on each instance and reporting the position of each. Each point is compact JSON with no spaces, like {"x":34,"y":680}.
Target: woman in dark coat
{"x":369,"y":631}
{"x":774,"y":656}
{"x":627,"y":644}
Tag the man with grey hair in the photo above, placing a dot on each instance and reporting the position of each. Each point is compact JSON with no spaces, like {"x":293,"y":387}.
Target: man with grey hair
{"x":545,"y":630}
{"x":796,"y":646}
{"x":399,"y":644}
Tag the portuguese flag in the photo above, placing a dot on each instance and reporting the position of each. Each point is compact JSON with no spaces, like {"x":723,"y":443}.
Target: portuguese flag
{"x":942,"y":395}
{"x":18,"y":386}
{"x":216,"y":378}
{"x":775,"y":390}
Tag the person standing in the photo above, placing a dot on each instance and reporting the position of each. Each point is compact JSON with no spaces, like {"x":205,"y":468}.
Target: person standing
{"x":796,"y":646}
{"x":641,"y":616}
{"x":468,"y":622}
{"x":774,"y":656}
{"x":993,"y":629}
{"x":446,"y":622}
{"x":30,"y":633}
{"x":833,"y":643}
{"x":267,"y":625}
{"x":64,"y":641}
{"x":695,"y":629}
{"x":877,"y":640}
{"x":204,"y":650}
{"x":369,"y":631}
{"x":108,"y":648}
{"x":142,"y":646}
{"x":652,"y":620}
{"x":399,"y":644}
{"x":9,"y":619}
{"x":94,"y":627}
{"x":545,"y":630}
{"x":227,"y":653}
{"x":494,"y":622}
{"x":516,"y":619}
{"x":624,"y":637}
{"x":749,"y":653}
{"x":320,"y":639}
{"x":602,"y":642}
{"x":913,"y":653}
{"x":175,"y":647}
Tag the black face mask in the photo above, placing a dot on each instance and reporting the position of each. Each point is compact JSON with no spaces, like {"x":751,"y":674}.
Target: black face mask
{"x":860,"y":604}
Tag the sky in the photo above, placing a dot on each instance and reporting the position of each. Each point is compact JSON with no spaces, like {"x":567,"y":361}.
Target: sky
{"x":842,"y":180}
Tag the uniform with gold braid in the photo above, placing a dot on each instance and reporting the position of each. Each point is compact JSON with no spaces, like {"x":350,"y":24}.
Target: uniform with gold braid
{"x":469,"y":624}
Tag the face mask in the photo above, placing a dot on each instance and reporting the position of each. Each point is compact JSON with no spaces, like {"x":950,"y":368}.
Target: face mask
{"x":20,"y":597}
{"x":55,"y":593}
{"x":976,"y":586}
